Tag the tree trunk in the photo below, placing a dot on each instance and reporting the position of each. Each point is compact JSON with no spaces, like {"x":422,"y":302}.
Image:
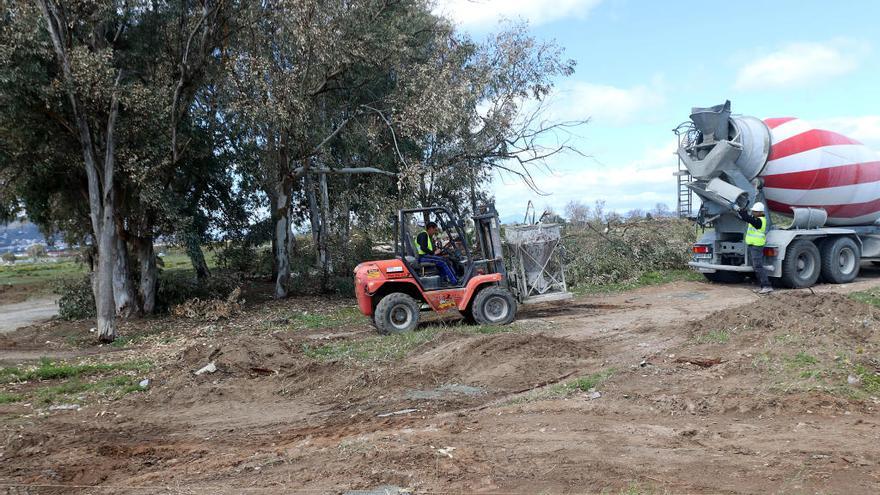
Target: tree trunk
{"x":149,"y":274}
{"x":104,"y":301}
{"x":100,"y":183}
{"x":315,"y":218}
{"x":326,"y":262}
{"x":281,"y":237}
{"x":123,"y":288}
{"x":196,"y":255}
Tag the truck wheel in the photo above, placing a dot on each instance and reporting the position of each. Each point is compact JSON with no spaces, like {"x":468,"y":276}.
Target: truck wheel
{"x":494,"y":306}
{"x":722,"y":277}
{"x":840,"y":260}
{"x":802,"y":265}
{"x":396,"y":313}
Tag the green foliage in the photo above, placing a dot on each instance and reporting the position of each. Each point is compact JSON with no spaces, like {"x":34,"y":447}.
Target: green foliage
{"x":245,"y":259}
{"x":50,"y":370}
{"x":40,"y":273}
{"x":626,"y":252}
{"x":870,"y":378}
{"x":800,"y":360}
{"x":115,"y":387}
{"x":582,"y":384}
{"x":870,"y":296}
{"x":374,"y":349}
{"x":77,"y":301}
{"x":178,"y":287}
{"x":8,"y":257}
{"x":714,"y":337}
{"x":7,"y":398}
{"x":340,"y":317}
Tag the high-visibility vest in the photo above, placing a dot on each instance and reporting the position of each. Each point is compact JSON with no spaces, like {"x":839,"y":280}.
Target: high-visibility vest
{"x":430,"y":243}
{"x":757,"y":237}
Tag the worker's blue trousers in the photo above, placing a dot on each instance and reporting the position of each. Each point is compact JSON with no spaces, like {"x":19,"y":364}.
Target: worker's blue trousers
{"x":442,"y":265}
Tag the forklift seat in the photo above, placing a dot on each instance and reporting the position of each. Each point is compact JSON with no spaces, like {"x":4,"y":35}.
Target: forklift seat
{"x":423,"y":268}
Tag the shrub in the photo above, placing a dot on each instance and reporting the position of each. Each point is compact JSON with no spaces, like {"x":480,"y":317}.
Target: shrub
{"x":77,"y":301}
{"x":245,"y":259}
{"x":626,"y":251}
{"x":8,"y":257}
{"x":176,"y":288}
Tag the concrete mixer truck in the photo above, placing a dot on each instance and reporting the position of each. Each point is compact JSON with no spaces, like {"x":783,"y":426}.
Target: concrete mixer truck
{"x":826,"y":183}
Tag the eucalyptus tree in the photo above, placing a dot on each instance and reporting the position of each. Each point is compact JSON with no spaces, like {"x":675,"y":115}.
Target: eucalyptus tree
{"x":298,"y":80}
{"x":114,"y":83}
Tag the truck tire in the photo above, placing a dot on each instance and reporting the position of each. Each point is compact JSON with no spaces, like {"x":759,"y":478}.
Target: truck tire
{"x":802,"y":265}
{"x":396,"y":313}
{"x":722,"y":277}
{"x":840,"y":260}
{"x":494,"y":306}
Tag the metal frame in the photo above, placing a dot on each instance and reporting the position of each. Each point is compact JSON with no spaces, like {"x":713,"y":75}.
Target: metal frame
{"x":684,"y":134}
{"x":552,"y":268}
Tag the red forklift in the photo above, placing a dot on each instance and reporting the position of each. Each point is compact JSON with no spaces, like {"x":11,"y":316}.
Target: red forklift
{"x":395,"y":292}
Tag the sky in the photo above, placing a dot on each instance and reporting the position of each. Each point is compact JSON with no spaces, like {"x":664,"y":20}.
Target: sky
{"x":642,"y":65}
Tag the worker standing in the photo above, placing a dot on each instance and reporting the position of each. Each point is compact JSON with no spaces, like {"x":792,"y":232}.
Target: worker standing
{"x":756,"y":238}
{"x":428,"y":252}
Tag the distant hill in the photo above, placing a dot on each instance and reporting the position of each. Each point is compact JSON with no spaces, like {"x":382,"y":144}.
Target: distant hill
{"x":17,"y":236}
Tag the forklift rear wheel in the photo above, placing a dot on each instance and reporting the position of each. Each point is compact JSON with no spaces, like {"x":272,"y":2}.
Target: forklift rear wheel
{"x":397,"y":313}
{"x":494,"y":306}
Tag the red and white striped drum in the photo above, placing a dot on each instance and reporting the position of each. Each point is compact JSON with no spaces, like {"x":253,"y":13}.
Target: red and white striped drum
{"x":810,"y":167}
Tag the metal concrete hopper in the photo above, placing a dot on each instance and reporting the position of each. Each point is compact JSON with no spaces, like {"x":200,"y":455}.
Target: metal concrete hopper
{"x":536,"y":272}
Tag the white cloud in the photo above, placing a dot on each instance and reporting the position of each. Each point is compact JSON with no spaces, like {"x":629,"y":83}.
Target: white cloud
{"x":641,"y":183}
{"x":481,"y":13}
{"x":606,"y":104}
{"x":801,"y":64}
{"x":865,"y":128}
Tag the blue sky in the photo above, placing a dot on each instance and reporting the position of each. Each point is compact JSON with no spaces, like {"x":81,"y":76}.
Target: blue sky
{"x":643,"y":64}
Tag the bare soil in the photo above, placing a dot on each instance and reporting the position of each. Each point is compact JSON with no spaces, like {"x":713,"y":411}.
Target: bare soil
{"x":712,"y":389}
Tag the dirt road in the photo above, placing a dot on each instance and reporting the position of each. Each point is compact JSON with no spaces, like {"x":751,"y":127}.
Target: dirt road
{"x":17,"y":315}
{"x":682,"y":388}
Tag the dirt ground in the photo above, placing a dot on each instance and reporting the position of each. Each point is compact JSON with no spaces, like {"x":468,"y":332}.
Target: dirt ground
{"x":680,"y":388}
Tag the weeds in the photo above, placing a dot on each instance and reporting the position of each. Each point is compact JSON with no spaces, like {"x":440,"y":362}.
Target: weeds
{"x":395,"y":346}
{"x":714,"y":337}
{"x":115,"y":387}
{"x":870,"y":296}
{"x":800,"y":360}
{"x":49,"y":370}
{"x":379,"y":348}
{"x":582,"y":384}
{"x":643,"y":280}
{"x":870,"y":379}
{"x":7,"y":398}
{"x":338,"y":318}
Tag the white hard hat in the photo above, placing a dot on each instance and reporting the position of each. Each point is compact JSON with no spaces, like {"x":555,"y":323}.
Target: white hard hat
{"x":759,"y":206}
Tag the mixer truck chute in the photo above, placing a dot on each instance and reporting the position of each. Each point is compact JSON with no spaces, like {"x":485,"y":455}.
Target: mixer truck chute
{"x":827,"y":183}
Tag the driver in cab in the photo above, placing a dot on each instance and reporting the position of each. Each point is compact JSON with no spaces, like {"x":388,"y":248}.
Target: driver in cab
{"x":429,"y":252}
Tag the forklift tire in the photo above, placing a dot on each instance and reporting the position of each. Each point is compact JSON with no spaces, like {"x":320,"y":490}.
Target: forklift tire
{"x":724,"y":277}
{"x":840,"y":260}
{"x":467,"y":316}
{"x":396,"y":313}
{"x":494,"y":306}
{"x":802,"y":265}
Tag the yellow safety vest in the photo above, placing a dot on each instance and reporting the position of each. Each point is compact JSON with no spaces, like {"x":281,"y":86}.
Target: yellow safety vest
{"x":757,"y":237}
{"x":430,"y":243}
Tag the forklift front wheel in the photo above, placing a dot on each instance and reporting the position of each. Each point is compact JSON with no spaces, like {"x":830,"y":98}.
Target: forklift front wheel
{"x":396,"y":313}
{"x":494,"y":306}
